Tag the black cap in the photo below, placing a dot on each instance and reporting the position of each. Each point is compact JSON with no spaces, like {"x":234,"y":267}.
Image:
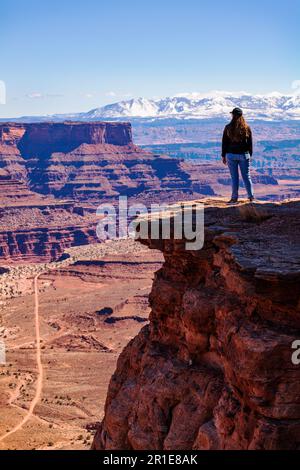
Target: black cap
{"x":236,"y":112}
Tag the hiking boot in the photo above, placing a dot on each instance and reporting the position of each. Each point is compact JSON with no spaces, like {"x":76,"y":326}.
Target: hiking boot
{"x":232,"y":201}
{"x":251,"y":199}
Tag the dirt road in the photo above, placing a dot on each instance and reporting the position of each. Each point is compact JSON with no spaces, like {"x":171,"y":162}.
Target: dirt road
{"x":39,"y":382}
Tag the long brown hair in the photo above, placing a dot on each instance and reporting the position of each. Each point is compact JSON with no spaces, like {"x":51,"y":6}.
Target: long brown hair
{"x":238,"y":129}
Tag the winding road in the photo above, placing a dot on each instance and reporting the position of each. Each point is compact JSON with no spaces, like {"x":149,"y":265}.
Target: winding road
{"x":39,"y":381}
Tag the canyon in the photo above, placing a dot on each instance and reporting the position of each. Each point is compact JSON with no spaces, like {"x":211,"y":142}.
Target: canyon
{"x":85,"y":161}
{"x":53,"y":175}
{"x":90,"y":305}
{"x":213,"y":368}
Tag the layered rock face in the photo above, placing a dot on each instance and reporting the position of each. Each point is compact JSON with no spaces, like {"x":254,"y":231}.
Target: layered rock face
{"x":41,"y":232}
{"x":213,"y":369}
{"x":86,"y":161}
{"x":42,"y":244}
{"x":50,"y":137}
{"x":13,"y":190}
{"x":47,"y":170}
{"x":12,"y":165}
{"x":97,"y":172}
{"x":35,"y":227}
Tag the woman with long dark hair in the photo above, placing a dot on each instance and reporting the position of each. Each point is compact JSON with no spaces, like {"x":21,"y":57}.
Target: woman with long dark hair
{"x":237,"y":151}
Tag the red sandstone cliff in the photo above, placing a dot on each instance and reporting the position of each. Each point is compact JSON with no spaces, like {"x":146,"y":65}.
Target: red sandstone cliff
{"x":49,"y":137}
{"x":42,"y":164}
{"x":40,"y":230}
{"x":35,"y":227}
{"x":86,"y":161}
{"x":213,"y":368}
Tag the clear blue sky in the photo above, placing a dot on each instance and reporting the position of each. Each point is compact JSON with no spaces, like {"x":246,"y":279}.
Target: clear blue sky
{"x":67,"y":55}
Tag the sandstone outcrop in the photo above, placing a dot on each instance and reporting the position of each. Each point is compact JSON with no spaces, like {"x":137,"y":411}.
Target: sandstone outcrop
{"x":213,"y":369}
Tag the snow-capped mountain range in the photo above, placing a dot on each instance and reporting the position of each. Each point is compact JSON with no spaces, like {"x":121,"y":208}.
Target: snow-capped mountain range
{"x":272,"y":106}
{"x":217,"y":104}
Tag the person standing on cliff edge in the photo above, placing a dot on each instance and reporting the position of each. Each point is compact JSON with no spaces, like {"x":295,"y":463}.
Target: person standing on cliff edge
{"x":237,"y":151}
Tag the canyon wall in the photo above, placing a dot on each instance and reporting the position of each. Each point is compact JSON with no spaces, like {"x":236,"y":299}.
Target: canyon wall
{"x":42,"y":244}
{"x":213,"y":369}
{"x":54,"y":175}
{"x":42,"y":230}
{"x":86,"y":161}
{"x":49,"y":137}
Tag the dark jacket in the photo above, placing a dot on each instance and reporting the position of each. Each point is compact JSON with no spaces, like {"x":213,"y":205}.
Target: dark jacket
{"x":244,"y":146}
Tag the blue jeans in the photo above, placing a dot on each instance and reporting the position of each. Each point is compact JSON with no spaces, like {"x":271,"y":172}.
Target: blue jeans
{"x":235,"y":161}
